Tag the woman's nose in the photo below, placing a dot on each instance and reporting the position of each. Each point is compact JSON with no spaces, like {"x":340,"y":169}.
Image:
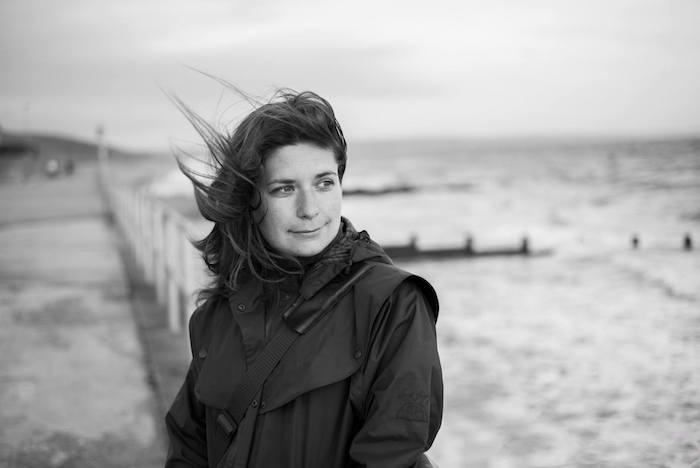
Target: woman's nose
{"x":306,"y":205}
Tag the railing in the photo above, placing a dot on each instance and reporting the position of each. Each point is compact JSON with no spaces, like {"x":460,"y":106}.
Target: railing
{"x":159,"y":239}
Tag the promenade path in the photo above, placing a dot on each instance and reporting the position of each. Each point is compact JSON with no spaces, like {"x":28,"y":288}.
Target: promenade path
{"x":74,"y":386}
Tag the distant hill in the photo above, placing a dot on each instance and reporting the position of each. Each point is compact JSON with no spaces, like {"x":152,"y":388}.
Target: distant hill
{"x":55,"y":146}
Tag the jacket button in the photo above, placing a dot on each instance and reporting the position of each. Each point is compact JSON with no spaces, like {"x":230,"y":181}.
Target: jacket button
{"x":240,"y":307}
{"x":254,"y":403}
{"x":263,"y":404}
{"x":202,"y":353}
{"x":358,"y":354}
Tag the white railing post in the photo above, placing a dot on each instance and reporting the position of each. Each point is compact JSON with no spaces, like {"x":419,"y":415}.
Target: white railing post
{"x":136,"y":241}
{"x":173,"y":299}
{"x":131,"y":222}
{"x":147,"y":237}
{"x":189,"y":255}
{"x":159,"y":253}
{"x":142,"y":231}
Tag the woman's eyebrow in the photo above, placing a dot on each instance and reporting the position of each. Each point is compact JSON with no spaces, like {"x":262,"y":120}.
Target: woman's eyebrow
{"x":280,"y":181}
{"x":291,"y":181}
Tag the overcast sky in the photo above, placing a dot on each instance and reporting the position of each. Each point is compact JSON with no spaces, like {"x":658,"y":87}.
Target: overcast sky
{"x":391,"y":69}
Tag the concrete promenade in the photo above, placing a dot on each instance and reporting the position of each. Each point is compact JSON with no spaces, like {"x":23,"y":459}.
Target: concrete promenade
{"x":74,"y":384}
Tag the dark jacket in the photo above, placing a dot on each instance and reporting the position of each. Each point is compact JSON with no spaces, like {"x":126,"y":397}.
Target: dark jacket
{"x":362,"y":388}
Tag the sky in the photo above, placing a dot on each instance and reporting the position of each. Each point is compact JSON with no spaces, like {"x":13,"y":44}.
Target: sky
{"x":410,"y":69}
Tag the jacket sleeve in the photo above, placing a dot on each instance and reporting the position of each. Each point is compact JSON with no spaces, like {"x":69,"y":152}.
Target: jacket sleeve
{"x":185,"y":421}
{"x":401,"y":382}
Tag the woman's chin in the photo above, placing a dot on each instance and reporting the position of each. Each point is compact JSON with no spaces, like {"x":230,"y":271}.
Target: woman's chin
{"x":308,"y":244}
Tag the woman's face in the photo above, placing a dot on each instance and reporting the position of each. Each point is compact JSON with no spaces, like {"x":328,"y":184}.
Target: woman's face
{"x":301,"y":199}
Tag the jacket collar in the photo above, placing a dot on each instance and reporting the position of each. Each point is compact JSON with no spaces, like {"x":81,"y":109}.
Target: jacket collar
{"x":349,"y":247}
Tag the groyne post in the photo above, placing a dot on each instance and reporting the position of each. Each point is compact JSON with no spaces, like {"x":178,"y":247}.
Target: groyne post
{"x":635,"y":241}
{"x":469,"y":245}
{"x":525,"y":245}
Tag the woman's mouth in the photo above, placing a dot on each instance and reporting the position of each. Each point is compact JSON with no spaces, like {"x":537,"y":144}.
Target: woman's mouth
{"x":305,"y":232}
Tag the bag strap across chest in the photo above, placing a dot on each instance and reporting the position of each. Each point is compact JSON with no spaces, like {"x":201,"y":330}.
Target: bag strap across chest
{"x":299,"y":318}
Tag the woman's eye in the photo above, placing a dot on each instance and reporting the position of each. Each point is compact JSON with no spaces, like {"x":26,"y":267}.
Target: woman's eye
{"x":326,"y":183}
{"x":283,"y":189}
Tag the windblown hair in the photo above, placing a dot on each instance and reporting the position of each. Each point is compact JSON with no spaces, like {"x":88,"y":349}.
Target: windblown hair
{"x":235,"y":247}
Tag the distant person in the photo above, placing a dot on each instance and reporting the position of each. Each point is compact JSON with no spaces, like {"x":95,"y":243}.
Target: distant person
{"x":309,"y":347}
{"x":52,"y":167}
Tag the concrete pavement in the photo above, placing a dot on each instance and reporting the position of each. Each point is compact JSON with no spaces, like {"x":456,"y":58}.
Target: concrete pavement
{"x":74,"y":386}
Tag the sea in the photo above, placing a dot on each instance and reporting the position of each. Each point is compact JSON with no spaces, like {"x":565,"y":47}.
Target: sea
{"x":585,"y":356}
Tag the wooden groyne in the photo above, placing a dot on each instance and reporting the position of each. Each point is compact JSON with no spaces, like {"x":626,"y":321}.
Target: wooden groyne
{"x":411,"y":251}
{"x":406,"y":188}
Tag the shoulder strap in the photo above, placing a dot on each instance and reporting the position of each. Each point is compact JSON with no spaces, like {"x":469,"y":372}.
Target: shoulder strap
{"x":300,"y":317}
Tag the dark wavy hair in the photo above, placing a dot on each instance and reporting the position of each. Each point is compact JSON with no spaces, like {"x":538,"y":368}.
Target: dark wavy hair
{"x":235,"y":248}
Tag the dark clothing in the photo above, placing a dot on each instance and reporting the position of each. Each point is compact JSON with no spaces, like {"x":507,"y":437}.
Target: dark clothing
{"x":362,"y":388}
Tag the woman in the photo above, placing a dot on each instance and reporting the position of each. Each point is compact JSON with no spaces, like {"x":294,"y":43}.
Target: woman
{"x":309,"y":349}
